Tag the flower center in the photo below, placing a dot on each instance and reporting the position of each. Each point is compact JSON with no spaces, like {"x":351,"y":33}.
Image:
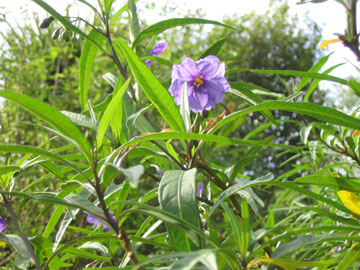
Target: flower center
{"x":198,"y":81}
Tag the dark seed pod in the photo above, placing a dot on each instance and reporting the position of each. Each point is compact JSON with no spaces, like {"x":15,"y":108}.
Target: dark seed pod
{"x":205,"y":114}
{"x":46,"y":22}
{"x":67,"y":35}
{"x":56,"y":34}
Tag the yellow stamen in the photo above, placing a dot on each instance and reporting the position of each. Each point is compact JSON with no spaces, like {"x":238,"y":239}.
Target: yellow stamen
{"x":198,"y":81}
{"x":327,"y":42}
{"x":356,"y":133}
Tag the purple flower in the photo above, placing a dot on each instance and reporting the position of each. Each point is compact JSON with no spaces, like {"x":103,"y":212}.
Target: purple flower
{"x":156,"y":51}
{"x":205,"y":80}
{"x":159,"y":172}
{"x":200,"y":189}
{"x":96,"y":222}
{"x":2,"y":225}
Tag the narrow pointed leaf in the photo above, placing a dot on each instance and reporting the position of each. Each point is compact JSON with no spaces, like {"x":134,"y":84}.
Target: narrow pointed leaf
{"x":53,"y":117}
{"x":323,"y":113}
{"x":185,"y":108}
{"x":87,"y":58}
{"x":7,"y":169}
{"x":235,"y":228}
{"x":107,"y":6}
{"x":313,"y":75}
{"x":214,"y":49}
{"x":159,"y":27}
{"x":314,"y":68}
{"x":235,"y":188}
{"x":289,"y":264}
{"x":109,"y":112}
{"x":134,"y":20}
{"x":11,"y":148}
{"x":189,"y":261}
{"x":351,"y":257}
{"x":152,"y":88}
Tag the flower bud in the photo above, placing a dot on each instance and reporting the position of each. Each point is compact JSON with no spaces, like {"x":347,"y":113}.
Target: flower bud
{"x":46,"y":22}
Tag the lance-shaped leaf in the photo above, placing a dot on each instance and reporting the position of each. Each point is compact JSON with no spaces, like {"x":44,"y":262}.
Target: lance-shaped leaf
{"x":214,"y":49}
{"x":351,"y":257}
{"x":109,"y":112}
{"x":159,"y":27}
{"x":235,"y":188}
{"x":152,"y":88}
{"x":177,"y":196}
{"x":133,"y":174}
{"x":54,"y":118}
{"x":185,"y":108}
{"x":134,"y":20}
{"x":87,"y":59}
{"x":323,"y":113}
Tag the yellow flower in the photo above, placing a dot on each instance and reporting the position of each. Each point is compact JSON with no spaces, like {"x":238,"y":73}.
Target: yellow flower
{"x":327,"y":42}
{"x":351,"y":201}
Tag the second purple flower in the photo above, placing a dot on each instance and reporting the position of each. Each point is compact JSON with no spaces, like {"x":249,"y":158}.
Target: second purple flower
{"x":156,"y":51}
{"x":2,"y":224}
{"x":205,"y":80}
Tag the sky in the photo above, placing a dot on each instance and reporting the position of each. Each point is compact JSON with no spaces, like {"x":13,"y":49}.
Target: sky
{"x":329,"y":15}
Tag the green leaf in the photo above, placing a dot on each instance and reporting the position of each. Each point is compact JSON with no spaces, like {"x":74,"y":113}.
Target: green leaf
{"x":222,"y":140}
{"x":252,"y":99}
{"x":117,"y":117}
{"x":312,"y":75}
{"x":87,"y":58}
{"x":19,"y":245}
{"x":291,"y":247}
{"x":134,"y":20}
{"x":315,"y":68}
{"x":169,"y":218}
{"x":81,"y":119}
{"x":351,"y":257}
{"x":331,"y":182}
{"x":290,"y":264}
{"x":198,"y":255}
{"x":119,"y":12}
{"x":109,"y":112}
{"x":78,"y":241}
{"x":107,"y":6}
{"x":236,"y":230}
{"x":53,"y":220}
{"x":132,"y":173}
{"x":189,"y":261}
{"x":355,"y":85}
{"x":214,"y":49}
{"x":159,"y":27}
{"x":7,"y":169}
{"x":325,"y":114}
{"x":52,"y":117}
{"x":235,"y":188}
{"x":11,"y":148}
{"x":305,"y":132}
{"x":151,"y":86}
{"x":185,"y":108}
{"x":110,"y":78}
{"x":177,"y":196}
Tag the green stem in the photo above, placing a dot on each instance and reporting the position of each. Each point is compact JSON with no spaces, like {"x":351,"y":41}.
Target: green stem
{"x":121,"y":233}
{"x":15,"y":220}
